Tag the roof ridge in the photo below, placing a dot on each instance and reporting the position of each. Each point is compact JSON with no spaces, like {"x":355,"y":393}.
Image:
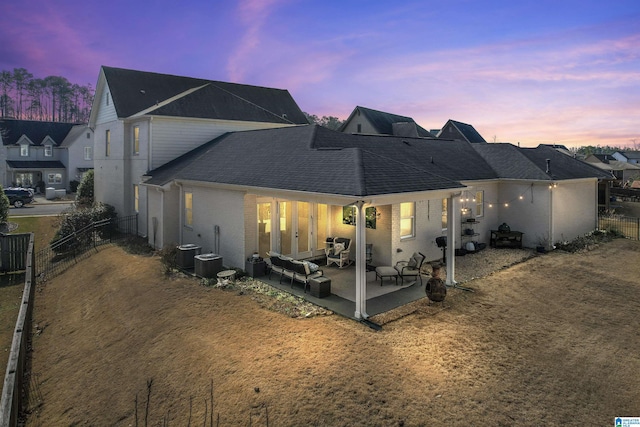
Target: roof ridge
{"x":283,"y":117}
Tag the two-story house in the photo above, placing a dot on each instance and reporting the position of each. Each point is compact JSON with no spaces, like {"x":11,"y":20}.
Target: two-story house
{"x":38,"y":154}
{"x":143,"y":120}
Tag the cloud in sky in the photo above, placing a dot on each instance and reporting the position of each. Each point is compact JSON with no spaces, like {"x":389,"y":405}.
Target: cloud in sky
{"x":564,"y":72}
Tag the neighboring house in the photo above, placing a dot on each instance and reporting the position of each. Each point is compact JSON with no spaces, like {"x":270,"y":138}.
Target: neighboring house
{"x":459,"y":131}
{"x":373,"y":122}
{"x":38,"y":154}
{"x":629,"y":156}
{"x":623,"y":171}
{"x":143,"y":120}
{"x":295,"y":185}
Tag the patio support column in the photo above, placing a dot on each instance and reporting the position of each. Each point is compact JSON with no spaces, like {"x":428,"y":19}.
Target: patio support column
{"x":452,"y":232}
{"x":361,"y":273}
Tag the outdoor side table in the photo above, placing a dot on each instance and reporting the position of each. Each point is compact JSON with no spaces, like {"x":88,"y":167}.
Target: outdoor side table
{"x":320,"y":287}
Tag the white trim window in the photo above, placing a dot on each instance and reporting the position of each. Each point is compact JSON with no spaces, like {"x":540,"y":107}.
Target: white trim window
{"x":54,"y":178}
{"x":480,"y":203}
{"x":48,"y":150}
{"x":24,"y":150}
{"x":188,"y":209}
{"x":407,"y":220}
{"x":136,"y":140}
{"x":88,"y":153}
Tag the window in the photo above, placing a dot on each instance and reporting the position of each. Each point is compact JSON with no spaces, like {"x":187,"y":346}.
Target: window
{"x":188,"y":209}
{"x":108,"y":98}
{"x":107,"y":142}
{"x":54,"y":178}
{"x":88,"y":135}
{"x":136,"y":140}
{"x":407,"y":220}
{"x":24,"y":150}
{"x":479,"y":203}
{"x":136,"y":198}
{"x":359,"y":128}
{"x":48,"y":150}
{"x":88,"y":153}
{"x":445,"y":202}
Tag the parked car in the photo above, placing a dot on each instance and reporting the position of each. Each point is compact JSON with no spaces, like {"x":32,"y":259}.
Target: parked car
{"x":18,"y":197}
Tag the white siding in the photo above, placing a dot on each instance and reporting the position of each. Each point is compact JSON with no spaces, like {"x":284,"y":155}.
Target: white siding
{"x":174,"y":137}
{"x":220,"y":208}
{"x":575,"y":210}
{"x":106,"y":112}
{"x":365,"y":125}
{"x":531,"y":214}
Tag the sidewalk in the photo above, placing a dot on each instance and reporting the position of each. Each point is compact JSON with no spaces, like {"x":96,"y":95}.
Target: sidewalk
{"x":40,"y":199}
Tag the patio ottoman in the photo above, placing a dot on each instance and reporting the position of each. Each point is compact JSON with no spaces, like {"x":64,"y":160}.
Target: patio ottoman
{"x":386,"y":271}
{"x":320,"y":287}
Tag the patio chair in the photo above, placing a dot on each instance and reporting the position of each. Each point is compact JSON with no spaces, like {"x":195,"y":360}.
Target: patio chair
{"x":410,"y":268}
{"x":339,"y":252}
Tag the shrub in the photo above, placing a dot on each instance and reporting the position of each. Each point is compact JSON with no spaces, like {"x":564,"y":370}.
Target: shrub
{"x":587,"y":241}
{"x":169,"y":258}
{"x":74,"y":185}
{"x":73,"y":222}
{"x":84,"y":195}
{"x":4,"y":206}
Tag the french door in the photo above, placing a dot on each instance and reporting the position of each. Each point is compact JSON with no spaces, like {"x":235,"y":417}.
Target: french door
{"x":299,"y":231}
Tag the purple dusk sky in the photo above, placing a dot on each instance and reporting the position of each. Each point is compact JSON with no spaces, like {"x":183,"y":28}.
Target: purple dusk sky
{"x":549,"y":71}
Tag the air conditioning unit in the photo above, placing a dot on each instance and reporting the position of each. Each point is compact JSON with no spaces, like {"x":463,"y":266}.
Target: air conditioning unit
{"x":186,"y":255}
{"x":208,"y":265}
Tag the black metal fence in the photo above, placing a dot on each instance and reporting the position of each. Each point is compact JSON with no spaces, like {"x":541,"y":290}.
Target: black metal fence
{"x":79,"y":245}
{"x":629,"y":227}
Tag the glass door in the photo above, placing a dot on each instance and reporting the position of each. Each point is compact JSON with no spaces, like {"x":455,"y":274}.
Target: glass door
{"x":264,"y":228}
{"x":295,"y":229}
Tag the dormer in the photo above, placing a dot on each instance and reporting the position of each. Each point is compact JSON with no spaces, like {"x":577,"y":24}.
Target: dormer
{"x":24,"y":144}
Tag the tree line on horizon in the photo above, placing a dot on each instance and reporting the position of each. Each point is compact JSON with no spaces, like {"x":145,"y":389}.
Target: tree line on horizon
{"x":53,"y":98}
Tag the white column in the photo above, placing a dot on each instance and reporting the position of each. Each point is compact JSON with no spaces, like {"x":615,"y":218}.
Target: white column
{"x":452,"y":239}
{"x":361,"y":273}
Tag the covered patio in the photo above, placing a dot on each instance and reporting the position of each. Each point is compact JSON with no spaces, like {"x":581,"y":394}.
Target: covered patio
{"x":380,"y":298}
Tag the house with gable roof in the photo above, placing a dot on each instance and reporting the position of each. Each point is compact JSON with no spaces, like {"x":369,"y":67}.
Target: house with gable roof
{"x":143,"y":120}
{"x":291,"y":191}
{"x":459,"y":131}
{"x":370,"y":121}
{"x":37,"y":154}
{"x":258,"y":184}
{"x":628,"y":156}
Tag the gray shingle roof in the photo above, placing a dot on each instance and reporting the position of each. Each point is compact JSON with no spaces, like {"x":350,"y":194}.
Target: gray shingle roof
{"x":383,"y":122}
{"x":467,"y":131}
{"x":135,"y":91}
{"x":316,"y":159}
{"x":301,"y":158}
{"x":12,"y":130}
{"x":511,"y":162}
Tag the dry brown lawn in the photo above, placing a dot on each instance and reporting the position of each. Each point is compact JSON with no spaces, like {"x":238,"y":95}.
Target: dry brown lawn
{"x":552,"y":341}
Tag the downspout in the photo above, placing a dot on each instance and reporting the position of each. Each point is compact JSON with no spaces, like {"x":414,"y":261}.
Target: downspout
{"x":551,"y":227}
{"x":181,"y":213}
{"x":361,"y":274}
